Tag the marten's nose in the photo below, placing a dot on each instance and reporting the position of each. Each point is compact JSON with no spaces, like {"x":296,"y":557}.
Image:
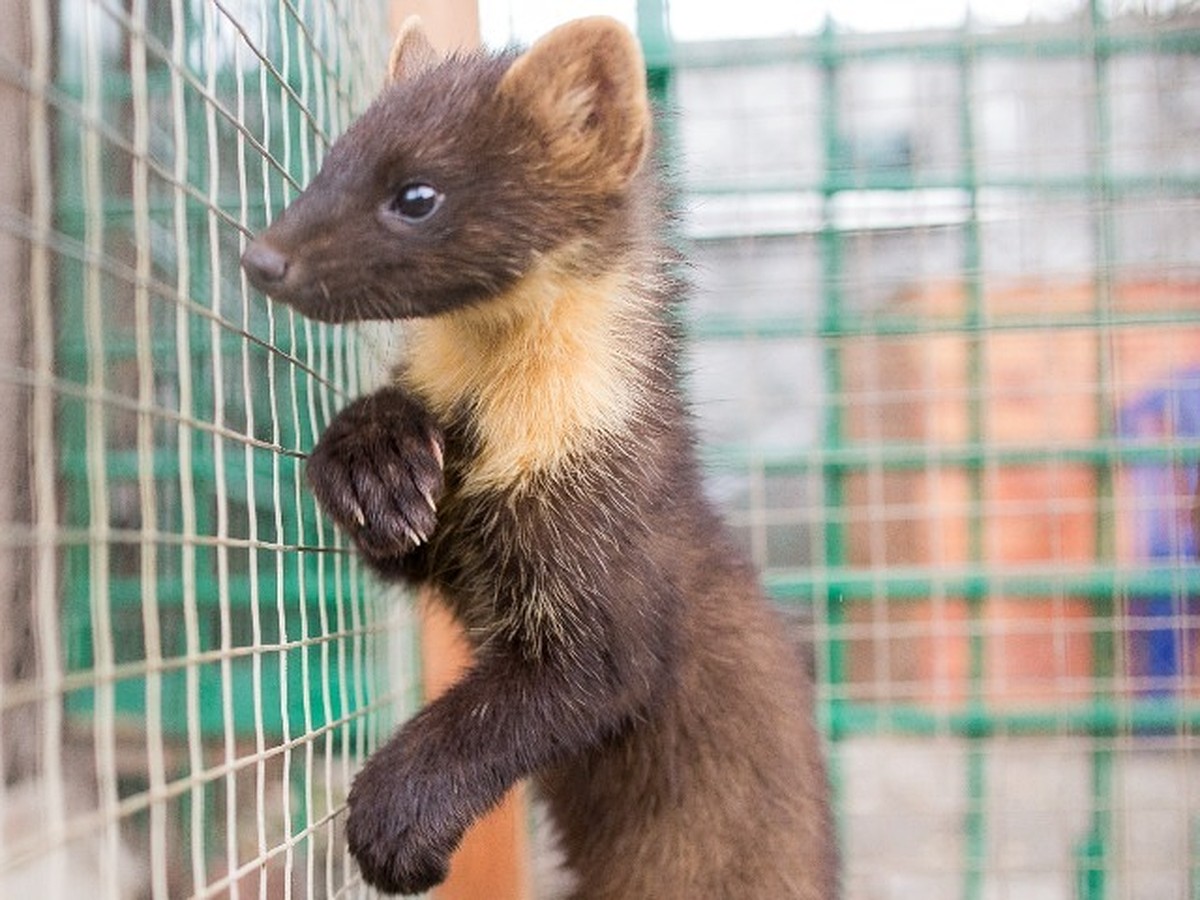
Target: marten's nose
{"x":265,"y":266}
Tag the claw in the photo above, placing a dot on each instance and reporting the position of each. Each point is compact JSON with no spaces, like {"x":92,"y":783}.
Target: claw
{"x":415,"y":537}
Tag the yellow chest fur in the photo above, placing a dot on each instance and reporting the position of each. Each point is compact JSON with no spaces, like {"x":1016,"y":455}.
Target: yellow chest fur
{"x":545,"y":369}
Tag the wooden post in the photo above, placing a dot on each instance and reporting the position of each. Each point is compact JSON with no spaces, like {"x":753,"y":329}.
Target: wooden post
{"x":493,"y":859}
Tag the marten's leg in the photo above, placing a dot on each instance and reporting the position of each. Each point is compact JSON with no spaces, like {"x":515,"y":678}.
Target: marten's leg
{"x":377,"y":472}
{"x":509,"y":717}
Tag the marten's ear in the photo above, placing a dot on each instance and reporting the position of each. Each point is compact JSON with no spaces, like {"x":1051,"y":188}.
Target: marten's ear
{"x":585,"y":82}
{"x":411,"y":53}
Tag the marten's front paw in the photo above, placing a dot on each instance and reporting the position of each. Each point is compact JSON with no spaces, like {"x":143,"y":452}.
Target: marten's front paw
{"x":399,"y":830}
{"x":377,"y":472}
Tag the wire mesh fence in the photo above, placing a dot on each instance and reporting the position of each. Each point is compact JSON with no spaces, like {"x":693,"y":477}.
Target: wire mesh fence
{"x":946,"y":344}
{"x":192,"y":664}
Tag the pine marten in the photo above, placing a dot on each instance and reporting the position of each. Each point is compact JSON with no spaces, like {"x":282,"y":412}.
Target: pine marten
{"x":533,"y":460}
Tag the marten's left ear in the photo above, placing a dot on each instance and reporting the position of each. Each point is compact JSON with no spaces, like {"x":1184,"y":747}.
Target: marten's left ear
{"x":411,"y":53}
{"x":585,"y":82}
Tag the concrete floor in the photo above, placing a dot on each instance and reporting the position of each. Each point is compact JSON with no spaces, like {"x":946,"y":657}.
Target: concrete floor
{"x":905,"y":803}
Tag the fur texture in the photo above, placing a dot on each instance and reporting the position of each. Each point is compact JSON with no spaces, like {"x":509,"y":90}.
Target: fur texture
{"x":534,"y":461}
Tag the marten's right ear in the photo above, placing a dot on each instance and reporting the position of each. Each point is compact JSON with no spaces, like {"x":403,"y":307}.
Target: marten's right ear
{"x":585,"y":83}
{"x":412,"y":53}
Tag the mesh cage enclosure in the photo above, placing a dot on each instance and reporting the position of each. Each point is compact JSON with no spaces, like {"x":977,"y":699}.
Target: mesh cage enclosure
{"x":945,"y":354}
{"x":192,"y":663}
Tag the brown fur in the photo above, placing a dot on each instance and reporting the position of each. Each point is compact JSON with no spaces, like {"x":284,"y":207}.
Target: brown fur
{"x":535,"y":462}
{"x":587,"y":88}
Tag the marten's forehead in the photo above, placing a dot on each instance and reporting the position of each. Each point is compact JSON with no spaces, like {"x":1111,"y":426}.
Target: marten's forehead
{"x":453,"y":105}
{"x":460,"y":88}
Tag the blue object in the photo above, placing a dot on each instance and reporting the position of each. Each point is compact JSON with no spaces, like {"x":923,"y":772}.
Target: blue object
{"x":1165,"y":530}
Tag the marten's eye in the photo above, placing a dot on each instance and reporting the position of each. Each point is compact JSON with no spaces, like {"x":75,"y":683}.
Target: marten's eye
{"x":416,"y":202}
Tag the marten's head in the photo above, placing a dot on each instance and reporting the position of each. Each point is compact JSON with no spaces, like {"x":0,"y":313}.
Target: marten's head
{"x":463,"y":174}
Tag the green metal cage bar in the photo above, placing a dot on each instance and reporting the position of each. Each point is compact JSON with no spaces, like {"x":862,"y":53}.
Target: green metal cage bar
{"x":830,"y":312}
{"x":1096,"y":846}
{"x":1043,"y":40}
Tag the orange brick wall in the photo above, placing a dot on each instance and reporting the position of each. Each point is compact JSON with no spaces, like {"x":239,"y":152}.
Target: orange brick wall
{"x":1040,"y":390}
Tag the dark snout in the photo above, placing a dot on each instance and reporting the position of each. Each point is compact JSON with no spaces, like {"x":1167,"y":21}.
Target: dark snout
{"x":265,"y":266}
